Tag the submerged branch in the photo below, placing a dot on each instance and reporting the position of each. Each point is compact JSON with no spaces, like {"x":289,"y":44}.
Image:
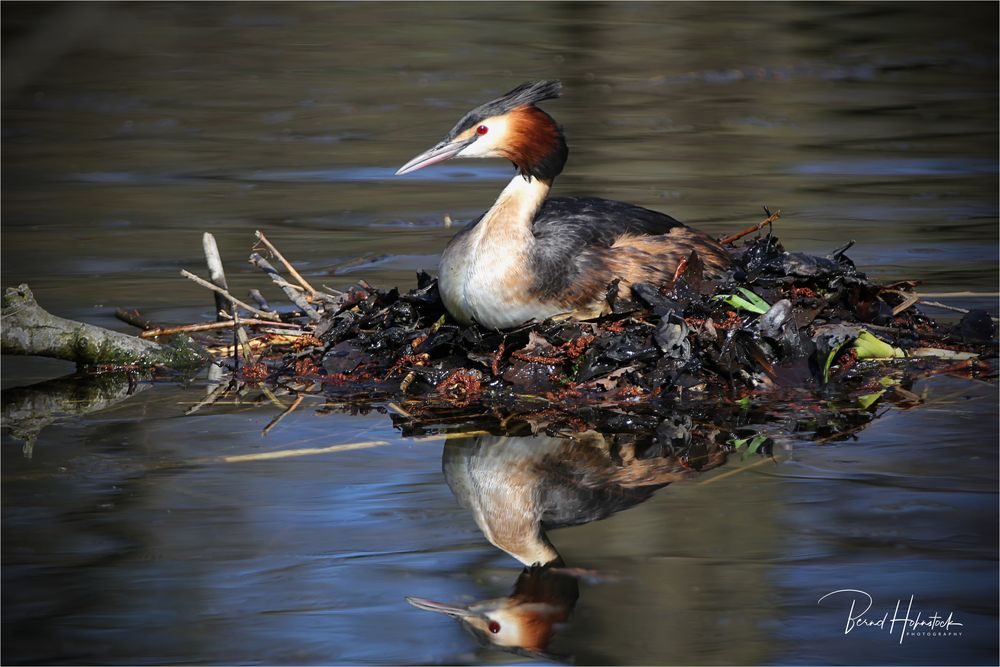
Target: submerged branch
{"x":28,"y":329}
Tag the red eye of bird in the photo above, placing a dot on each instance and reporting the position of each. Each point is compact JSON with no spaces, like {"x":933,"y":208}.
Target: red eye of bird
{"x":494,"y":627}
{"x":481,"y":130}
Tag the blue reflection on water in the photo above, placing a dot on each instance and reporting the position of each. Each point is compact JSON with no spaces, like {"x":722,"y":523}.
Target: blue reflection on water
{"x":331,"y":175}
{"x":900,"y":167}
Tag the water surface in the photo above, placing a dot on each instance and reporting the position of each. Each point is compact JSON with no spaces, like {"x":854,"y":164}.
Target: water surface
{"x":129,"y":130}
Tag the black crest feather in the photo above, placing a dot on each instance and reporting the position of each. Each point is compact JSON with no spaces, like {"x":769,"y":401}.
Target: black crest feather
{"x":527,"y":94}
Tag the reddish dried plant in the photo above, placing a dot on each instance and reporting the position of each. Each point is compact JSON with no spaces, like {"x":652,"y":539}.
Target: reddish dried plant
{"x":408,"y":360}
{"x":577,"y":346}
{"x":305,"y":367}
{"x":306,"y":342}
{"x":461,"y":387}
{"x":253,"y":373}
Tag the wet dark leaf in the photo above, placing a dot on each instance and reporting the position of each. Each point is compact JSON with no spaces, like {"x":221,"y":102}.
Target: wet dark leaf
{"x":801,"y":265}
{"x":672,"y":338}
{"x":977,"y":326}
{"x":774,"y":321}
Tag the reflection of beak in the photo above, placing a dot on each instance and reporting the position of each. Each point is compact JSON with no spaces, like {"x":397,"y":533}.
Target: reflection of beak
{"x":441,"y":608}
{"x":439,"y":153}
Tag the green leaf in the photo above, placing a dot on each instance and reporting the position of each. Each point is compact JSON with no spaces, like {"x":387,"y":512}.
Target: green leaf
{"x":759,"y":303}
{"x":752,"y":303}
{"x":829,"y":360}
{"x":755,"y":444}
{"x":870,"y":347}
{"x":867,"y":400}
{"x":744,"y":403}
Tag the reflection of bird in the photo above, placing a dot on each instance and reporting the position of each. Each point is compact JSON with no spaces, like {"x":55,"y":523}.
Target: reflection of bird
{"x":525,"y":620}
{"x":529,"y":257}
{"x":517,"y":487}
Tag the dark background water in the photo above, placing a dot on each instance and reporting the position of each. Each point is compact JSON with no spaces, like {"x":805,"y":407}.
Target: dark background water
{"x":129,"y":129}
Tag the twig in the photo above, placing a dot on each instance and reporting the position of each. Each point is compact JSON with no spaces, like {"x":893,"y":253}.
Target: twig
{"x":271,"y":397}
{"x":399,"y":410}
{"x":407,"y":381}
{"x":307,"y":451}
{"x":289,"y":289}
{"x":730,"y":473}
{"x":936,"y":304}
{"x":956,"y":309}
{"x":208,"y":326}
{"x":254,"y":343}
{"x":433,"y":437}
{"x":945,"y":295}
{"x":291,"y":269}
{"x":290,"y":409}
{"x":240,"y":335}
{"x":261,"y":301}
{"x":215,"y":271}
{"x":750,"y":230}
{"x":212,"y":397}
{"x":908,"y":300}
{"x":134,"y":318}
{"x":250,"y":309}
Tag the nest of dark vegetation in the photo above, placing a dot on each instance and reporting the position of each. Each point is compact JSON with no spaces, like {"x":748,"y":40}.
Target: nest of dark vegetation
{"x":783,"y":331}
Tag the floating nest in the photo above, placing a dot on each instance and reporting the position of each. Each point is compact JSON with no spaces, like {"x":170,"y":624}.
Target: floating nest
{"x":786,"y":342}
{"x":777,"y":339}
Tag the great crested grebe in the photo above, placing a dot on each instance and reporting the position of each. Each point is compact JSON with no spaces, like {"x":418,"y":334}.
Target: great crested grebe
{"x":530,"y":257}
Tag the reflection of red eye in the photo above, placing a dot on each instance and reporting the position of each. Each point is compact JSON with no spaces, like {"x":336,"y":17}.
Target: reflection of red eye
{"x":494,"y":627}
{"x":482,"y":129}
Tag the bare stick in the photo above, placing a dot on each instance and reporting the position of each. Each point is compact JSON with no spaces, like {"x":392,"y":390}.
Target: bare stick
{"x":908,"y":300}
{"x":250,"y":309}
{"x":399,"y":410}
{"x":945,"y":295}
{"x":215,"y":271}
{"x":284,"y":262}
{"x":134,"y":318}
{"x":289,"y":289}
{"x":242,"y":338}
{"x":730,"y":473}
{"x":750,"y":230}
{"x":936,"y":304}
{"x":290,"y":409}
{"x":287,"y":453}
{"x":208,"y":326}
{"x":261,"y":301}
{"x":212,"y":397}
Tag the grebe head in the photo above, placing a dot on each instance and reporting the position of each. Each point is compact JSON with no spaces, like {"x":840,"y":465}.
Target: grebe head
{"x":524,"y":621}
{"x":509,"y":127}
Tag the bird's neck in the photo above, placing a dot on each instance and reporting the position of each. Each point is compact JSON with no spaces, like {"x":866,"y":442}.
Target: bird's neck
{"x":524,"y":540}
{"x":514,"y":210}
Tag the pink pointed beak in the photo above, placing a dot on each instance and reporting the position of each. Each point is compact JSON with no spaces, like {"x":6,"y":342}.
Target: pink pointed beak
{"x":443,"y":151}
